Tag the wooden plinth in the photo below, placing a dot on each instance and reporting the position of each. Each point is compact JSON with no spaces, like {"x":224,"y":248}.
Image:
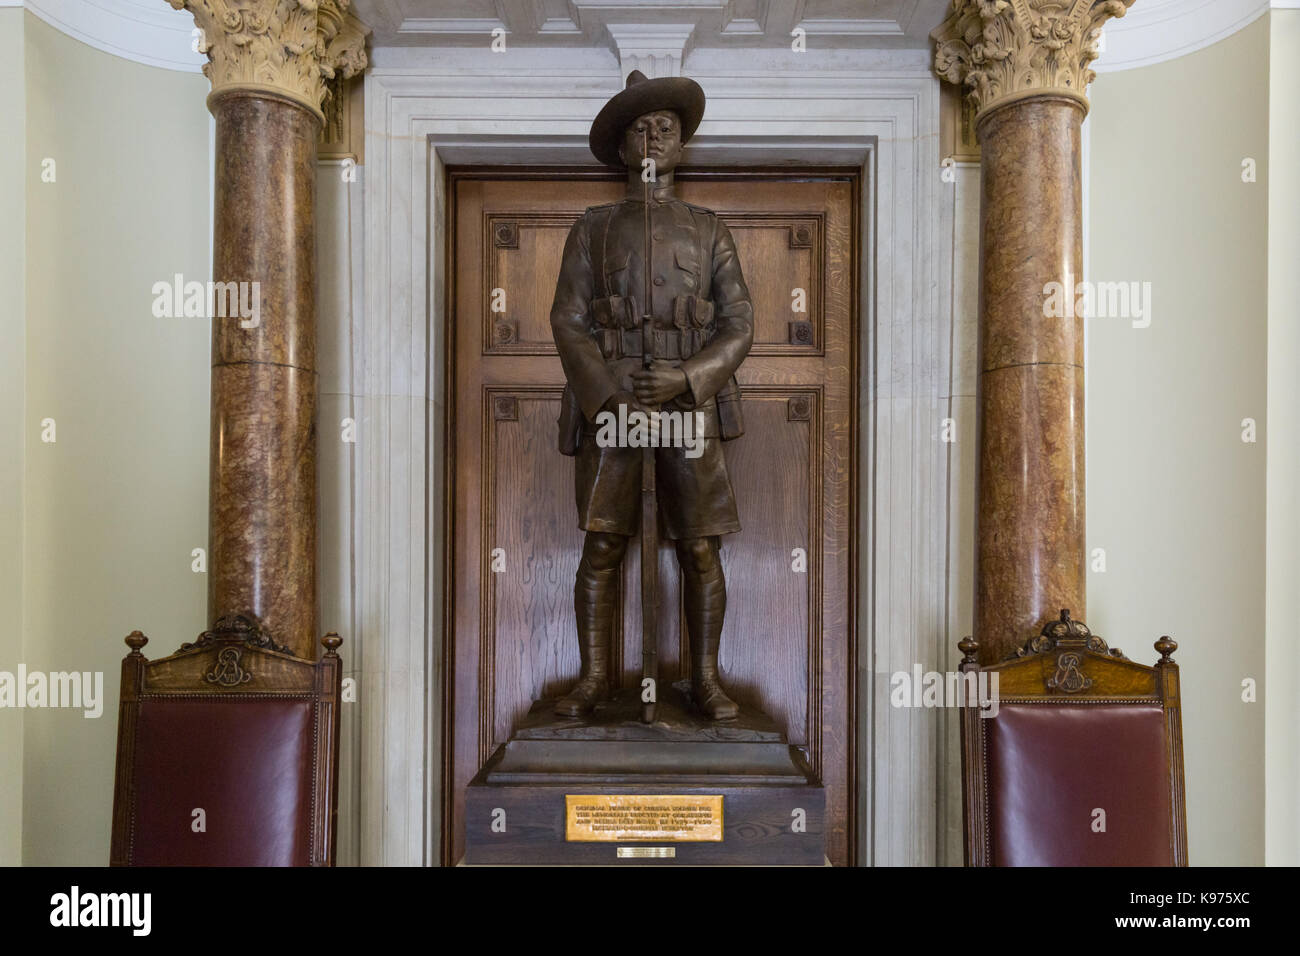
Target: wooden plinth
{"x":773,"y":807}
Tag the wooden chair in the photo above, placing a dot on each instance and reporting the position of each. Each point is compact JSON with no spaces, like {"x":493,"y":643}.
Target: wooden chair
{"x":1082,"y":765}
{"x":227,"y":753}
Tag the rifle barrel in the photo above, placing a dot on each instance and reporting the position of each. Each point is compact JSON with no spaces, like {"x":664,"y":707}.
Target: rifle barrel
{"x":649,"y":496}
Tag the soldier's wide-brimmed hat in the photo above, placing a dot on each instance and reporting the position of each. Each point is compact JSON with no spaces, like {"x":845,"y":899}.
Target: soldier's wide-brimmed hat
{"x":683,"y":96}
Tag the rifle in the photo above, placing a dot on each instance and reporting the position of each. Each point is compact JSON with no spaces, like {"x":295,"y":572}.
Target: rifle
{"x":649,"y":499}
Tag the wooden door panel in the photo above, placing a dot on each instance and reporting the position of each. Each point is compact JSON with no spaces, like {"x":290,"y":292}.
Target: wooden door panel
{"x":787,"y":642}
{"x":785,"y":251}
{"x":529,"y":625}
{"x":522,"y":248}
{"x":764,"y":657}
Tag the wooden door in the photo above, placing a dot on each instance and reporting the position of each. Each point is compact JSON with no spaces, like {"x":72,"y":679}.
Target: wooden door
{"x":513,"y":545}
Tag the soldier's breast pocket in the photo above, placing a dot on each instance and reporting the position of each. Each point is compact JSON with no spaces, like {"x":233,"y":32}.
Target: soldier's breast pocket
{"x":688,"y":269}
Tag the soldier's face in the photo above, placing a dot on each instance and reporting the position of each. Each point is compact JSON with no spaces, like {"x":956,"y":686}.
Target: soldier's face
{"x":662,"y":132}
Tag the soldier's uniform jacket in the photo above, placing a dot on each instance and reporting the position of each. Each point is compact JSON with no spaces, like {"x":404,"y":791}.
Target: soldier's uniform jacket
{"x":703,"y":322}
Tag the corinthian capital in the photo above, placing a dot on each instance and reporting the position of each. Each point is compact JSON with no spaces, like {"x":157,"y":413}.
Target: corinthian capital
{"x":1003,"y":50}
{"x":289,"y":48}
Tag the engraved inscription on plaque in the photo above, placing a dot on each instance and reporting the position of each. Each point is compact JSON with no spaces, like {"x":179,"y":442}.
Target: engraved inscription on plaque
{"x":683,"y":818}
{"x":647,"y":852}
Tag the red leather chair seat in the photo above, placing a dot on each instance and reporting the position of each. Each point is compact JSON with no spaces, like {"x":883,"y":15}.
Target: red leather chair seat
{"x":246,"y":762}
{"x":1051,"y":765}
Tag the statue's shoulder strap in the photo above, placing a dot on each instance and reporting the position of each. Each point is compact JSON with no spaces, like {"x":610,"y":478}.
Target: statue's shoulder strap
{"x":697,"y":209}
{"x":598,"y":220}
{"x":707,"y":220}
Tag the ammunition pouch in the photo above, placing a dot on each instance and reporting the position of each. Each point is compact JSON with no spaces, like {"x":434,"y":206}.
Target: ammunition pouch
{"x":618,"y":328}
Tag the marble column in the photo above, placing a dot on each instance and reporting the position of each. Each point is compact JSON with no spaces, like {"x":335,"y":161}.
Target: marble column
{"x":269,"y":62}
{"x":1024,"y":65}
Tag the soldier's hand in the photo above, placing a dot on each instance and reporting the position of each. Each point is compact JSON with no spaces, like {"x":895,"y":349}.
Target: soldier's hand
{"x":659,"y":383}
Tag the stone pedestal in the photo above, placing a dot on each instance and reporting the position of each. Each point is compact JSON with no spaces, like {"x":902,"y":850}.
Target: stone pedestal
{"x":767,"y":805}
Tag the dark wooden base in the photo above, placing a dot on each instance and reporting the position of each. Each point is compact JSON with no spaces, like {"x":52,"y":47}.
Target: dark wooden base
{"x":773,"y":806}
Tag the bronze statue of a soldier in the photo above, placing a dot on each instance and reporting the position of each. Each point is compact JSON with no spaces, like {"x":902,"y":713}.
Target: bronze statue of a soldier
{"x":702,"y":322}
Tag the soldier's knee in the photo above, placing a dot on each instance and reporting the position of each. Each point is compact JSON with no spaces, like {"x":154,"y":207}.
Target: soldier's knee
{"x":699,"y":555}
{"x":603,"y":551}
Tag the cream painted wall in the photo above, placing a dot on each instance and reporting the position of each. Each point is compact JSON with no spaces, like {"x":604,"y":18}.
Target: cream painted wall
{"x":1175,"y":497}
{"x":114,"y":507}
{"x":1282,"y":655}
{"x":12,"y":382}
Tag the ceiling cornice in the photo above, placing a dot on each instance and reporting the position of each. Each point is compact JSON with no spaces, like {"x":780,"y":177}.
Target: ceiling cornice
{"x":144,"y":31}
{"x":1155,"y":31}
{"x":152,"y":33}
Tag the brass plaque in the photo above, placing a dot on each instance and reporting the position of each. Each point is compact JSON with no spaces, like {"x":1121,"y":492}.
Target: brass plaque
{"x":618,"y":817}
{"x":647,"y":852}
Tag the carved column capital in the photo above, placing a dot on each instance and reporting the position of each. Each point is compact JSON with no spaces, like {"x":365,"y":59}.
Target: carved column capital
{"x":287,"y":48}
{"x":1005,"y":50}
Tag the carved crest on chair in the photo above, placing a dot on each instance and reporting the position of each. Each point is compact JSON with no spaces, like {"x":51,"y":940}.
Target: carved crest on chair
{"x":1069,"y":674}
{"x":227,"y":670}
{"x":1066,"y":634}
{"x":236,"y":628}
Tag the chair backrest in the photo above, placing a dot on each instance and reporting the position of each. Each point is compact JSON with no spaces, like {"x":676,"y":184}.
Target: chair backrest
{"x":227,"y":753}
{"x":1080,"y":763}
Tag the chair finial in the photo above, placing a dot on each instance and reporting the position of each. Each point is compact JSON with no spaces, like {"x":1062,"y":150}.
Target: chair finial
{"x":968,"y":647}
{"x":1166,"y":646}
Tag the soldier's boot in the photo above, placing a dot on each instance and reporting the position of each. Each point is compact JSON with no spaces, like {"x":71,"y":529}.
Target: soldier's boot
{"x":706,"y":605}
{"x":593,"y":600}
